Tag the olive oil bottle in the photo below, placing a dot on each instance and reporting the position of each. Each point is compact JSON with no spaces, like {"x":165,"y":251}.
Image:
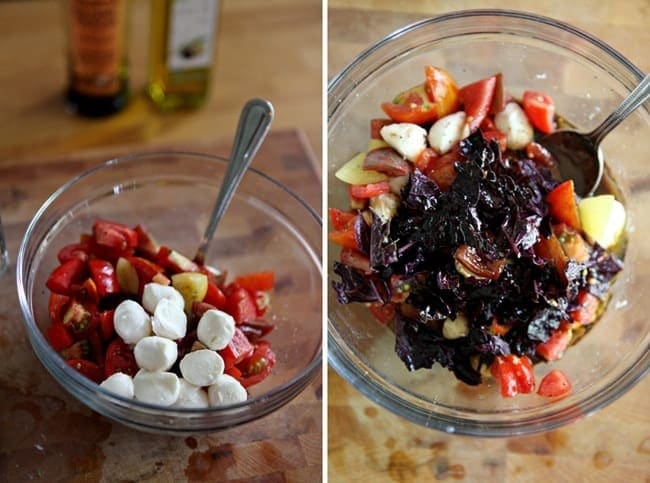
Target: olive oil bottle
{"x":182,"y":46}
{"x":97,"y":56}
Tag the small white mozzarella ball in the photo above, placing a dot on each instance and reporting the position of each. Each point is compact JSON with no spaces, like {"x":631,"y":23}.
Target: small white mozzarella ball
{"x":120,"y":384}
{"x":385,"y":206}
{"x":169,"y":320}
{"x":131,"y":321}
{"x":447,"y":131}
{"x":161,"y":388}
{"x":191,"y":396}
{"x":155,"y":292}
{"x":456,"y":328}
{"x":407,"y":139}
{"x":514,"y":123}
{"x":201,"y":367}
{"x":226,"y":390}
{"x":155,"y":353}
{"x":215,"y":329}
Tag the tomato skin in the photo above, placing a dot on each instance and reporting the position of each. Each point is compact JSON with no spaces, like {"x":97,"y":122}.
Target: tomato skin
{"x":258,"y":366}
{"x":588,"y":304}
{"x":65,"y":276}
{"x":340,"y":219}
{"x":56,"y":306}
{"x":369,"y":190}
{"x":553,"y":348}
{"x":540,"y":110}
{"x":74,"y":250}
{"x":241,"y":304}
{"x":562,"y":204}
{"x":238,"y":349}
{"x":442,"y":170}
{"x":384,"y":313}
{"x":105,"y":324}
{"x":103,"y":274}
{"x":426,"y":160}
{"x":345,"y":238}
{"x":119,"y":358}
{"x":59,"y":337}
{"x":215,"y":296}
{"x":376,"y":125}
{"x":554,"y":384}
{"x":477,"y":100}
{"x":263,"y":280}
{"x":551,"y":250}
{"x":442,"y":90}
{"x":88,"y":368}
{"x":514,"y":374}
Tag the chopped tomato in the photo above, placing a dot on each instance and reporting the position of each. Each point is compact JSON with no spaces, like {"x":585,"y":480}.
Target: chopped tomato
{"x":442,"y":90}
{"x":258,"y":366}
{"x":384,"y":313}
{"x":477,"y":99}
{"x":442,"y":170}
{"x":427,"y":102}
{"x":550,"y":249}
{"x":497,"y":136}
{"x":78,"y":320}
{"x":237,"y":349}
{"x":369,"y":190}
{"x":340,"y":219}
{"x":425,"y":160}
{"x":514,"y":374}
{"x":264,"y":280}
{"x":387,"y":161}
{"x":56,"y":307}
{"x":114,"y":235}
{"x":87,"y":293}
{"x":105,"y":324}
{"x":146,"y":242}
{"x":540,"y":155}
{"x":356,"y":259}
{"x":63,"y":278}
{"x":215,"y":296}
{"x":103,"y":274}
{"x":345,"y":238}
{"x":554,"y":384}
{"x":554,"y":347}
{"x":240,"y":304}
{"x":74,"y":250}
{"x":376,"y":125}
{"x":575,"y":247}
{"x":59,"y":337}
{"x":562,"y":204}
{"x":498,"y":329}
{"x":540,"y":110}
{"x":119,"y":358}
{"x":88,"y":368}
{"x":588,"y":305}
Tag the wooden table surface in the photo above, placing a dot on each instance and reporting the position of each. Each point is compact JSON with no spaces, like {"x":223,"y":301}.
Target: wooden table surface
{"x":368,"y":443}
{"x":265,"y":49}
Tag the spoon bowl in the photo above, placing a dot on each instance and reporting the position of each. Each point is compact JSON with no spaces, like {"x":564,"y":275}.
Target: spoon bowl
{"x":578,"y":155}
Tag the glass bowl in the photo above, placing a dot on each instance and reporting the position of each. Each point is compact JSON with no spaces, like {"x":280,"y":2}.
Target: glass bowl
{"x":587,"y":79}
{"x":266,"y":227}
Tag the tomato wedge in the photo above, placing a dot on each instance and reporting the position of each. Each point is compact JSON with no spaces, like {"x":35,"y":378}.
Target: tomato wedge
{"x":240,"y":304}
{"x":344,"y":237}
{"x":63,"y":278}
{"x":258,"y":366}
{"x":119,"y":358}
{"x":103,"y":274}
{"x":340,"y":219}
{"x":376,"y":125}
{"x":553,"y":348}
{"x":237,"y":349}
{"x":514,"y":374}
{"x":554,"y":384}
{"x":369,"y":190}
{"x":540,"y":110}
{"x":59,"y":337}
{"x":562,"y":204}
{"x":88,"y":368}
{"x":263,"y":280}
{"x":442,"y":90}
{"x":587,"y":310}
{"x":477,"y":99}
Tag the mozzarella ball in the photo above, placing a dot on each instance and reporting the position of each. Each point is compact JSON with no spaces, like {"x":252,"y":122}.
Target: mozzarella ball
{"x":155,"y":353}
{"x":407,"y":139}
{"x":514,"y":123}
{"x":161,"y":388}
{"x":446,"y":132}
{"x":120,"y":384}
{"x":155,"y":292}
{"x":191,"y":396}
{"x":201,"y":367}
{"x":169,"y":320}
{"x":215,"y":329}
{"x":226,"y":390}
{"x":131,"y":321}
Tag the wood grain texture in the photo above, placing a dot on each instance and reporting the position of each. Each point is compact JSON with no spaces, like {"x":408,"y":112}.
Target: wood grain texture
{"x":367,"y":442}
{"x":47,"y":435}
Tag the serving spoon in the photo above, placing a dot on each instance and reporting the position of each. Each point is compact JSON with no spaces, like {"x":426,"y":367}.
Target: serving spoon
{"x":578,"y":155}
{"x":254,"y":123}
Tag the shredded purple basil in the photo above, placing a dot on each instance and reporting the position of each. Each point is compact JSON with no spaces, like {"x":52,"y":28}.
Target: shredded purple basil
{"x":496,"y":205}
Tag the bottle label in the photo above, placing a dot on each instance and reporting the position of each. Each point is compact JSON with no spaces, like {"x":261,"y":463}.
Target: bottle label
{"x":96,"y":45}
{"x":192,"y":27}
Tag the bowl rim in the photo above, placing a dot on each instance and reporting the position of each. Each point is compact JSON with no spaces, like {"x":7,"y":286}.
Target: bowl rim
{"x":358,"y":375}
{"x":301,"y":379}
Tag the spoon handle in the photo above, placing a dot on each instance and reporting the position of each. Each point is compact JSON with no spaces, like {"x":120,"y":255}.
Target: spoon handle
{"x":253,"y":126}
{"x":637,"y":97}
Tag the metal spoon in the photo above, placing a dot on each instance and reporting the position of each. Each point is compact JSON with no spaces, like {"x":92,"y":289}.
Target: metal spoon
{"x":254,"y":123}
{"x":578,"y":155}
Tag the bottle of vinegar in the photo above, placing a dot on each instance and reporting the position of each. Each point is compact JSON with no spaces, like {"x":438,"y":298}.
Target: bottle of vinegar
{"x":97,"y":56}
{"x":182,"y":51}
